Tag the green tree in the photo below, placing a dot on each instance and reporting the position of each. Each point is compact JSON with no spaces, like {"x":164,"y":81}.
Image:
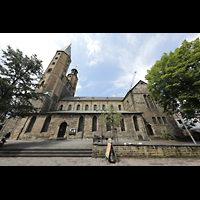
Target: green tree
{"x":174,"y":80}
{"x":111,"y":117}
{"x":19,"y":77}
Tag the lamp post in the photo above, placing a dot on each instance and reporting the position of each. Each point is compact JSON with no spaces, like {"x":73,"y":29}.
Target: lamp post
{"x":180,"y":117}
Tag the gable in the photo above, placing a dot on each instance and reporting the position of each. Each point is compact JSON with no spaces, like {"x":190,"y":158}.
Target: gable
{"x":138,"y":87}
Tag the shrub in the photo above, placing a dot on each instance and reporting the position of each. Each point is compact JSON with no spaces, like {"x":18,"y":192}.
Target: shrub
{"x":167,"y":135}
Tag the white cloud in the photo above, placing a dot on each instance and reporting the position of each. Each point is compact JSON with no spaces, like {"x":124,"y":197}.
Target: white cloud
{"x":133,"y":56}
{"x":44,"y":45}
{"x":78,"y":86}
{"x":192,"y":37}
{"x":93,"y":48}
{"x":93,"y":45}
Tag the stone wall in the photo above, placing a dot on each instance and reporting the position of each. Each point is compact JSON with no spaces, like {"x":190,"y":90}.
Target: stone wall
{"x":148,"y":151}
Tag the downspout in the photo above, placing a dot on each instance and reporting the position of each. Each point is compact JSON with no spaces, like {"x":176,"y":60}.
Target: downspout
{"x":22,"y":128}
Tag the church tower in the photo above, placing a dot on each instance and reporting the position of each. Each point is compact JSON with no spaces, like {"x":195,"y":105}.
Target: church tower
{"x":56,"y":84}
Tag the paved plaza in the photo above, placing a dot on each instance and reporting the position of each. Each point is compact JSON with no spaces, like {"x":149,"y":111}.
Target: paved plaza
{"x":48,"y":144}
{"x":87,"y":161}
{"x":75,"y":144}
{"x":69,"y":161}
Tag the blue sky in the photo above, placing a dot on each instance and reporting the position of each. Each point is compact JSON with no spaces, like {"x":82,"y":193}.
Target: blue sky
{"x":106,"y":61}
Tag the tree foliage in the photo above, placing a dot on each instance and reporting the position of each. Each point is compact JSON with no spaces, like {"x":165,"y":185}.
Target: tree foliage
{"x":111,"y":117}
{"x":19,"y":77}
{"x":174,"y":80}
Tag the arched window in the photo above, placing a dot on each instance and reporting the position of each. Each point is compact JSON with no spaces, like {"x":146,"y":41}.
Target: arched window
{"x":149,"y":129}
{"x":69,"y":107}
{"x":136,"y":123}
{"x":164,"y":120}
{"x":145,"y":98}
{"x":150,"y":101}
{"x":122,"y":125}
{"x":159,"y":119}
{"x":108,"y":127}
{"x":46,"y":124}
{"x":78,"y":107}
{"x":103,"y":107}
{"x":119,"y":106}
{"x":94,"y":123}
{"x":154,"y":120}
{"x":31,"y":123}
{"x":86,"y":107}
{"x":95,"y":107}
{"x":81,"y":124}
{"x":61,"y":107}
{"x":49,"y":70}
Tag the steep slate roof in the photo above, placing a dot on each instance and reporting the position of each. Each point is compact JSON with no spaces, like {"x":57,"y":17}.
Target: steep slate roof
{"x":92,"y":99}
{"x":99,"y":98}
{"x":67,"y":50}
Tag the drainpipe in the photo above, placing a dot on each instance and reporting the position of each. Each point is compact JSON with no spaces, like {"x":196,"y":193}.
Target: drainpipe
{"x":22,"y":128}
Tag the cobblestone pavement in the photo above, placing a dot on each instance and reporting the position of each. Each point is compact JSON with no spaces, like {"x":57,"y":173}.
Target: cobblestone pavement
{"x":68,"y":161}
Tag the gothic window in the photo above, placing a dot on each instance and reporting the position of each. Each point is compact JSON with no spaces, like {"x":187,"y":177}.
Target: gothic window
{"x":86,"y":107}
{"x":46,"y":124}
{"x":159,"y":119}
{"x":150,"y":102}
{"x":145,"y":98}
{"x":69,"y":107}
{"x":103,"y":107}
{"x":164,"y":120}
{"x":81,"y":124}
{"x":119,"y":106}
{"x":49,"y":70}
{"x":108,"y":127}
{"x":61,"y":107}
{"x":78,"y":107}
{"x":122,"y":125}
{"x":95,"y":107}
{"x":135,"y":123}
{"x":154,"y":120}
{"x":94,"y":123}
{"x":31,"y":123}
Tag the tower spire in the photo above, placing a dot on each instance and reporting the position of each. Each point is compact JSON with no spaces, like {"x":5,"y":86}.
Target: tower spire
{"x":67,"y":49}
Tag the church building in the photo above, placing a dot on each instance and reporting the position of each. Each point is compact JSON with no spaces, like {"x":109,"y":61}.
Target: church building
{"x":61,"y":112}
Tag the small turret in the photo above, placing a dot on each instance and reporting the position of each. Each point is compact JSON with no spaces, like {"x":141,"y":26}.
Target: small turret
{"x":73,"y":79}
{"x":74,"y":71}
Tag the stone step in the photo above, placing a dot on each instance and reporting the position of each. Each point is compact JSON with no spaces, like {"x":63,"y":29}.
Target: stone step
{"x":45,"y":152}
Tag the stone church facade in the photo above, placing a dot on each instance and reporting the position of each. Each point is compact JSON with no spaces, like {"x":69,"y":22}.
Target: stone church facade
{"x":61,"y":111}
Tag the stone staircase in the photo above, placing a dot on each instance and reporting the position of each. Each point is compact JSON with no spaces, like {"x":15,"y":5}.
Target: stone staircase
{"x":45,"y":152}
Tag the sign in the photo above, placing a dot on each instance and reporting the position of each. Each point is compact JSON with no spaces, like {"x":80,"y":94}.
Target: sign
{"x":108,"y":150}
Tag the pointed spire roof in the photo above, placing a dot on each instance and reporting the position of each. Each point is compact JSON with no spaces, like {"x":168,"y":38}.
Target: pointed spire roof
{"x":67,"y":50}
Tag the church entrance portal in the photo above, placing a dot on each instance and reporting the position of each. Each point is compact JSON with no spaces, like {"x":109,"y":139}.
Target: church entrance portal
{"x":150,"y":131}
{"x":62,"y":129}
